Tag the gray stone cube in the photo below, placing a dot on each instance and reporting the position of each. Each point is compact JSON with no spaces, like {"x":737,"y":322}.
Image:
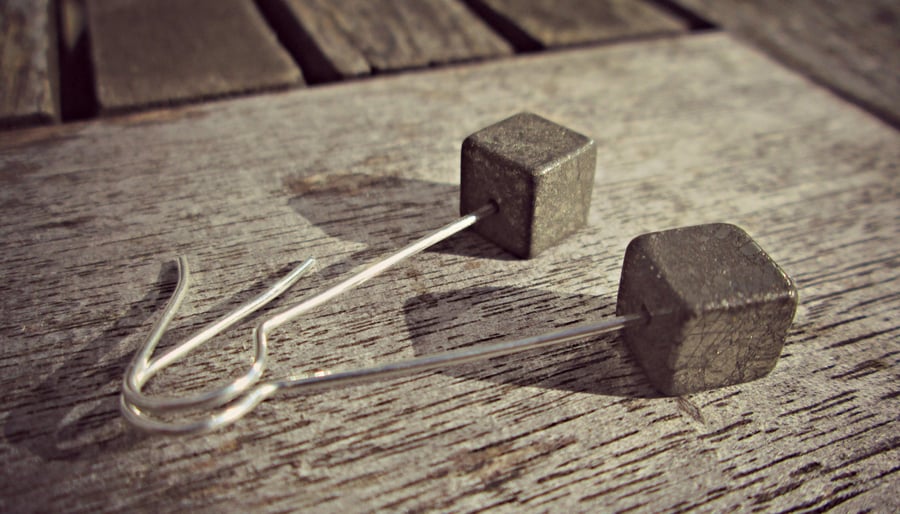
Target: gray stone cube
{"x":539,"y":174}
{"x":716,"y":308}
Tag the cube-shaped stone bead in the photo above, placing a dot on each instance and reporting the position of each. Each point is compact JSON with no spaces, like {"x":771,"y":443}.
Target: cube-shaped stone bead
{"x":539,"y":174}
{"x":716,"y":308}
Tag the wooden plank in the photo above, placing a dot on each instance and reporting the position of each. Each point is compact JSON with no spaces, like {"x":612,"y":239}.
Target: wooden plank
{"x":30,"y":92}
{"x":317,"y":34}
{"x":689,"y":130}
{"x":852,"y":47}
{"x":150,"y":52}
{"x":335,"y":39}
{"x":533,"y":24}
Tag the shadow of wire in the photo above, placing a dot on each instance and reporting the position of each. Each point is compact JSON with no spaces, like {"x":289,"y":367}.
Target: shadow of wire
{"x":74,"y":412}
{"x":385,"y":212}
{"x":598,"y":365}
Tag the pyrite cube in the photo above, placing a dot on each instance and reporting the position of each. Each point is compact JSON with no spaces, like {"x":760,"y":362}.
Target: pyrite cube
{"x":716,"y":308}
{"x":540,"y":175}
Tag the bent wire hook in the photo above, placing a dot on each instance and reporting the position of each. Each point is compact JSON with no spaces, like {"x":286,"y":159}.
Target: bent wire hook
{"x":232,"y":401}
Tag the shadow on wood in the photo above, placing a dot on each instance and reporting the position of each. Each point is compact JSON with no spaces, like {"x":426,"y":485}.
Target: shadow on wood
{"x":599,"y":365}
{"x":385,"y":213}
{"x":73,"y":412}
{"x":78,"y":413}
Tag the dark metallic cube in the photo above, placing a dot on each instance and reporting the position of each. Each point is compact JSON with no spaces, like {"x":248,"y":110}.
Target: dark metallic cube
{"x":540,"y":175}
{"x":716,"y":307}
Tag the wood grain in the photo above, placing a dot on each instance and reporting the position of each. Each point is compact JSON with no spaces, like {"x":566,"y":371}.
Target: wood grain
{"x":852,"y":47}
{"x":335,"y":39}
{"x":689,"y":130}
{"x":317,"y":34}
{"x":30,"y":92}
{"x":534,"y":24}
{"x":151,"y":52}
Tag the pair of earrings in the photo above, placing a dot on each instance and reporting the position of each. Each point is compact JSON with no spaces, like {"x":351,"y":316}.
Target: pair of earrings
{"x":701,"y":307}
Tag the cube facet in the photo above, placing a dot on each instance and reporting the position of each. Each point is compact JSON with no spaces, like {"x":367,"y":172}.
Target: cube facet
{"x":716,"y":308}
{"x":539,"y":174}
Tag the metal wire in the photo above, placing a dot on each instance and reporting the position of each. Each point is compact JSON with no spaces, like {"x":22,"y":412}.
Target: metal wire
{"x":238,"y":397}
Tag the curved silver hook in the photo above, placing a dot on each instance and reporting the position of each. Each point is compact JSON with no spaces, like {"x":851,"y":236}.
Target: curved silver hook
{"x":142,"y":368}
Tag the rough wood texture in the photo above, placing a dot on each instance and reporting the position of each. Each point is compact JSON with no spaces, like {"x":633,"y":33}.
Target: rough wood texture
{"x":533,"y":24}
{"x":148,"y":52}
{"x":316,"y":35}
{"x":689,"y":130}
{"x":29,"y":93}
{"x":853,"y":47}
{"x":334,"y":39}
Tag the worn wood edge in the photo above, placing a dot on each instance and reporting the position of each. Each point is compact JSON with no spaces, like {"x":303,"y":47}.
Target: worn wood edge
{"x":388,"y":36}
{"x":322,"y":51}
{"x":293,"y":77}
{"x":528,"y":32}
{"x":880,"y":104}
{"x":45,"y":109}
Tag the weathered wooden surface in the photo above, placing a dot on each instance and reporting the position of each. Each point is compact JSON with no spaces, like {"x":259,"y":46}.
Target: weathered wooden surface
{"x":689,"y":130}
{"x":334,"y":39}
{"x":534,"y":24}
{"x":148,"y":52}
{"x":853,"y":47}
{"x":317,"y":38}
{"x":29,"y":91}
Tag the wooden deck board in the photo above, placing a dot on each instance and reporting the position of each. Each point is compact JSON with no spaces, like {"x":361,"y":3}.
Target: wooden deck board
{"x":689,"y":130}
{"x":153,"y":52}
{"x":534,"y":24}
{"x":334,"y":39}
{"x":853,"y":47}
{"x":29,"y":93}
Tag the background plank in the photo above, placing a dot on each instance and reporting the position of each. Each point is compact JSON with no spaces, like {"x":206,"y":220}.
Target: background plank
{"x":335,"y":39}
{"x":852,"y":47}
{"x":30,"y":92}
{"x":148,"y":52}
{"x":317,"y":35}
{"x":534,"y":24}
{"x":689,"y":130}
